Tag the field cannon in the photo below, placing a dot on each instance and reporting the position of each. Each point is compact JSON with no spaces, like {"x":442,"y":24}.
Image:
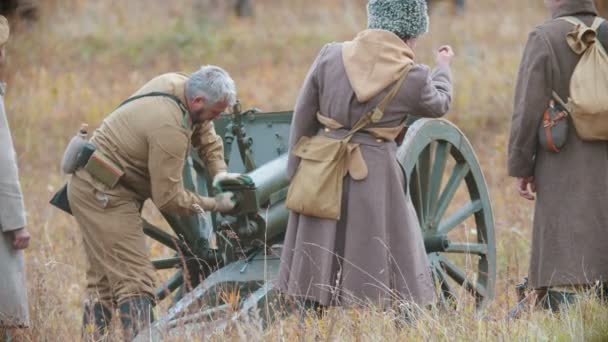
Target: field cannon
{"x":225,"y":266}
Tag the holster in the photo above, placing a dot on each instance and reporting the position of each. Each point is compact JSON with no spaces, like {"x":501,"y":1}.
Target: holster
{"x":60,"y":199}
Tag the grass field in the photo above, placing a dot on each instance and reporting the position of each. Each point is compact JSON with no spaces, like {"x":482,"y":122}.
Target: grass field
{"x":84,"y":57}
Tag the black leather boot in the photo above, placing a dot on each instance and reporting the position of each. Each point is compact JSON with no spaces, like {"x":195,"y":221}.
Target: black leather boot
{"x":95,"y":320}
{"x":135,"y":314}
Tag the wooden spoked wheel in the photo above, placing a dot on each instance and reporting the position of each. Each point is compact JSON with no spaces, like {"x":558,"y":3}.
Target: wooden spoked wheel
{"x":451,"y":198}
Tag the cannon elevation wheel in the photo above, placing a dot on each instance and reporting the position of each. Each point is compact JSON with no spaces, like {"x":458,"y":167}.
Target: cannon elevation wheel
{"x":453,"y":206}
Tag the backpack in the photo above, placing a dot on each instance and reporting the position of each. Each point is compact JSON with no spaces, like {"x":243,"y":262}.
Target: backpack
{"x":588,"y":103}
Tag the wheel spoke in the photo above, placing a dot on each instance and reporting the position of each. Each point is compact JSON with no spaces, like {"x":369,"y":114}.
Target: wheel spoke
{"x":460,"y":277}
{"x":458,"y":174}
{"x":416,"y":195}
{"x":170,"y":285}
{"x":467,"y":248}
{"x":446,"y":292}
{"x":446,"y":288}
{"x":459,"y":216}
{"x":424,"y":169}
{"x":441,"y":155}
{"x":442,"y":298}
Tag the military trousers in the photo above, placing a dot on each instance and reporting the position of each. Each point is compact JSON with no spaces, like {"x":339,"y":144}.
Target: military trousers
{"x":118,"y":265}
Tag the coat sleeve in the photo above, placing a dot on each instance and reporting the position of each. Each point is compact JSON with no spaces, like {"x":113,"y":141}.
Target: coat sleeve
{"x":209,"y":147}
{"x":532,"y":96}
{"x":12,"y":210}
{"x":166,"y":157}
{"x":305,"y":113}
{"x":435,"y":96}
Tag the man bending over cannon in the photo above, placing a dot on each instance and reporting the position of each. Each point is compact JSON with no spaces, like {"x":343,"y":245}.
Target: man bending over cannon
{"x":140,"y":150}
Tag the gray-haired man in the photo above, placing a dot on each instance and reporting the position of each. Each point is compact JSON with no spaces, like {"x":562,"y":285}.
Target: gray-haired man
{"x":145,"y":141}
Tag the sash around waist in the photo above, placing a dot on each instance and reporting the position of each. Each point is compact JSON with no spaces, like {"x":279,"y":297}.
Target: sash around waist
{"x":361,"y":138}
{"x":377,"y":133}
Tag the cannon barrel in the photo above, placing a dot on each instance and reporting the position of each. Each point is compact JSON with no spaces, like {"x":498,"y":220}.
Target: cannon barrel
{"x":270,"y":178}
{"x":260,"y":212}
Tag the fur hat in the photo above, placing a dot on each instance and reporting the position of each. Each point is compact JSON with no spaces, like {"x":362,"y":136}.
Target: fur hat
{"x":4,"y":30}
{"x":405,"y":18}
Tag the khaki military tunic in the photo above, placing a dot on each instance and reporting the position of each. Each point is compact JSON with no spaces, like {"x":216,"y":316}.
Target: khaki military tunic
{"x":149,"y":139}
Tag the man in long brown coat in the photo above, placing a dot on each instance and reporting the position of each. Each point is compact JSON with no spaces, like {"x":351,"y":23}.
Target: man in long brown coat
{"x":570,"y":234}
{"x":13,"y":235}
{"x":374,"y":252}
{"x":148,"y":139}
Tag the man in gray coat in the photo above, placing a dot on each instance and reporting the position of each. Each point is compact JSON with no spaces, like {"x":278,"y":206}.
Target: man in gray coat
{"x":13,"y":292}
{"x":570,"y":232}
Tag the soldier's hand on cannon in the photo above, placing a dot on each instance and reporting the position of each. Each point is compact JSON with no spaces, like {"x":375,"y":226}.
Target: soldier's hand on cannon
{"x":21,"y":238}
{"x":445,"y":55}
{"x":225,"y":176}
{"x":222,"y":176}
{"x":224,"y":202}
{"x":233,"y":177}
{"x":522,"y":187}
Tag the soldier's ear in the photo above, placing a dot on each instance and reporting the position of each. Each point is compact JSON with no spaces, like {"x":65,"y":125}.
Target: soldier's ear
{"x":2,"y":53}
{"x":200,"y":101}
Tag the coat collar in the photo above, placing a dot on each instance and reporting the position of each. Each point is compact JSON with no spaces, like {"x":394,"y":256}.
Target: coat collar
{"x":573,"y":7}
{"x":374,"y":60}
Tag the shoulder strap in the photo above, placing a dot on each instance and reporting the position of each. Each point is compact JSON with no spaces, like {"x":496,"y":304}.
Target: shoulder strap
{"x":389,"y":97}
{"x":179,"y":102}
{"x":377,"y":113}
{"x":596,"y":23}
{"x":573,"y":20}
{"x":565,"y":106}
{"x":576,"y":21}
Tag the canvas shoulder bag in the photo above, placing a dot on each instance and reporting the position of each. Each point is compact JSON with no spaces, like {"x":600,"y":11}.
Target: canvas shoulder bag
{"x":316,"y":188}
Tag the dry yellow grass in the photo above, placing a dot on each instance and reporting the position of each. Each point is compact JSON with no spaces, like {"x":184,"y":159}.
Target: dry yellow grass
{"x":84,"y":57}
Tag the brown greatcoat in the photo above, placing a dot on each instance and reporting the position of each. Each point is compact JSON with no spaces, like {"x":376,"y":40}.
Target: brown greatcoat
{"x":570,"y":221}
{"x":148,"y":139}
{"x":375,"y":251}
